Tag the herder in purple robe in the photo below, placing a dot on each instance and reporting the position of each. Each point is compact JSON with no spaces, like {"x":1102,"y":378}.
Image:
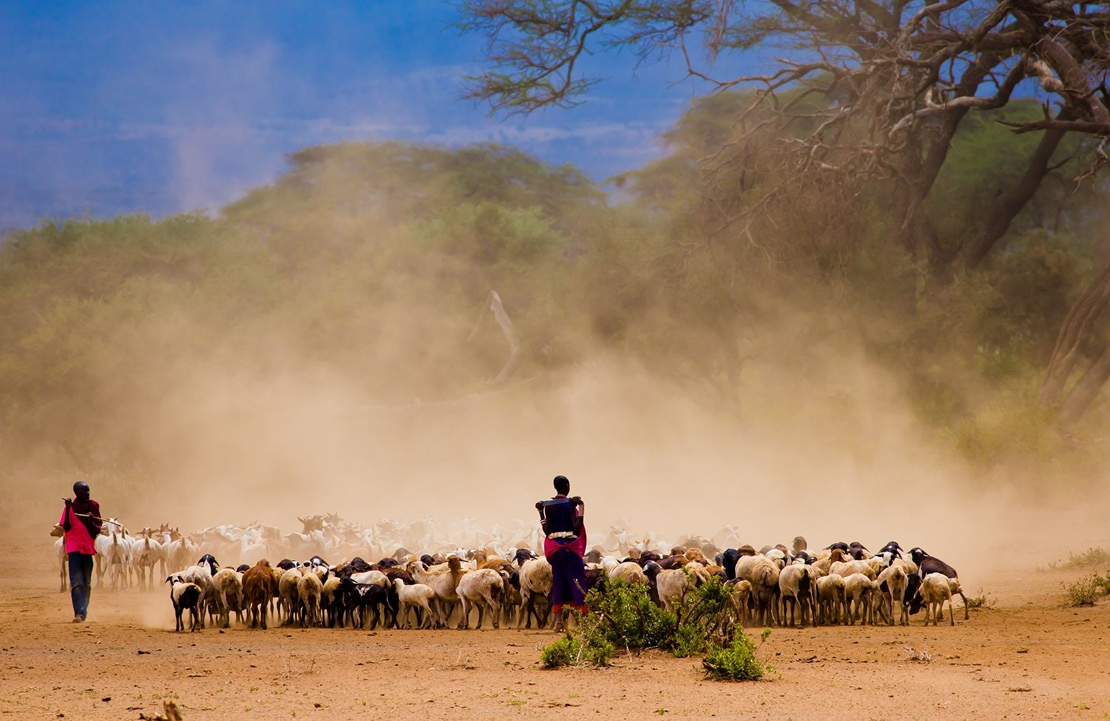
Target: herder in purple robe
{"x":562,"y":521}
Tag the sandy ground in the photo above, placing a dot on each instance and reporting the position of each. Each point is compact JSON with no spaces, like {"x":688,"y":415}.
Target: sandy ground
{"x":1027,"y":657}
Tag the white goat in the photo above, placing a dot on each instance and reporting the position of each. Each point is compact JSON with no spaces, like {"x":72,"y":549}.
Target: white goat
{"x":629,"y":571}
{"x":894,"y":577}
{"x":414,"y":596}
{"x":229,"y":593}
{"x":857,"y":590}
{"x":671,"y":585}
{"x":831,"y":600}
{"x":535,"y":580}
{"x":310,"y":590}
{"x":146,"y":554}
{"x":796,"y":586}
{"x":482,"y":588}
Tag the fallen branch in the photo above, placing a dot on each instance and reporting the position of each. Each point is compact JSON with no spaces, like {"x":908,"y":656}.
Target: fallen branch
{"x":502,"y":318}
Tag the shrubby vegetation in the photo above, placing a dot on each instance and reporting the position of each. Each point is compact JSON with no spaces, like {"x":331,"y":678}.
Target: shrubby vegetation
{"x":1087,"y":590}
{"x":622,"y":617}
{"x":370,"y":263}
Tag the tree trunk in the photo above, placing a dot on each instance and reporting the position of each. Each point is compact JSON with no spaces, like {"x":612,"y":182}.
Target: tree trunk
{"x":1074,"y":332}
{"x":1008,"y":204}
{"x":1085,"y":391}
{"x":918,"y":229}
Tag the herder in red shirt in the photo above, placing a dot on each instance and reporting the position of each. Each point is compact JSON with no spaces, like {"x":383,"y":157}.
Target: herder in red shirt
{"x":81,"y":521}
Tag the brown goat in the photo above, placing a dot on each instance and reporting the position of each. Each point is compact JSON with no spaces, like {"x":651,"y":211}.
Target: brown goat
{"x":259,"y":586}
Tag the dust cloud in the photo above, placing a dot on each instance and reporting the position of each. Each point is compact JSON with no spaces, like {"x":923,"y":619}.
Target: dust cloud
{"x":826,"y":450}
{"x":825,"y":446}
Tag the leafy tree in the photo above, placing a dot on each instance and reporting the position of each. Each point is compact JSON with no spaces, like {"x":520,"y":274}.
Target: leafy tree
{"x":893,"y":80}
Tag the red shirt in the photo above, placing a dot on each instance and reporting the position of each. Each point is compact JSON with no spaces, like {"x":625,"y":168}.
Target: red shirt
{"x":78,"y":539}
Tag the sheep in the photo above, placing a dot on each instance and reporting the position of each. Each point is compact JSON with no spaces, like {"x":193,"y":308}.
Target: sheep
{"x":935,"y":589}
{"x":309,"y":590}
{"x":378,"y":601}
{"x":847,"y":568}
{"x":201,"y":576}
{"x":368,"y":598}
{"x":523,"y":555}
{"x":331,"y":601}
{"x":485,"y":558}
{"x":259,"y":586}
{"x":444,"y":580}
{"x":373,"y":577}
{"x":482,"y":588}
{"x":741,"y":592}
{"x":511,"y":602}
{"x":229,"y":592}
{"x":416,"y":596}
{"x":763,"y":574}
{"x":796,"y":586}
{"x":892,"y":548}
{"x":535,"y":580}
{"x":698,"y":573}
{"x":894,"y":578}
{"x":209,"y":561}
{"x":929,"y":564}
{"x":696,"y":555}
{"x":185,"y":596}
{"x":858,"y":588}
{"x":826,"y":558}
{"x":289,"y":597}
{"x":727,"y":559}
{"x":670,"y":586}
{"x":831,"y":600}
{"x":777,"y":556}
{"x":629,"y":571}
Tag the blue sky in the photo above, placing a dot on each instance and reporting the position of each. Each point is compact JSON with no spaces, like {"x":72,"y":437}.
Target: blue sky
{"x":160,"y":107}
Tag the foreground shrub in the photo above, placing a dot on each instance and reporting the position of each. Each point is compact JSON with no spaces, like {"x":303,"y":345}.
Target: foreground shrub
{"x":1085,"y":591}
{"x":623,"y":616}
{"x":563,"y":652}
{"x":737,"y":661}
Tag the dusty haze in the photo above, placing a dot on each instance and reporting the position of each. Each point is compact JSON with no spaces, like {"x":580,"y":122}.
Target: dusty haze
{"x":826,"y":449}
{"x":384,"y":413}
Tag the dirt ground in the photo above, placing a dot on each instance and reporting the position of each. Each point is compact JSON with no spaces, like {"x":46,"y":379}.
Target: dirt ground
{"x":1027,"y":657}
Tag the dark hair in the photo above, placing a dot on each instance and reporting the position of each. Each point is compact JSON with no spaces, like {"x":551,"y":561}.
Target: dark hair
{"x":562,"y":485}
{"x":80,"y":486}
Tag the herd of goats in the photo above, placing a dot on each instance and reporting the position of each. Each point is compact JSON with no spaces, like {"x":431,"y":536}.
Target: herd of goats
{"x":498,"y":573}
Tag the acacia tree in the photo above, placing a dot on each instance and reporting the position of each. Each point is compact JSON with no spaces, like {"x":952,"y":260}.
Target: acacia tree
{"x":894,"y":79}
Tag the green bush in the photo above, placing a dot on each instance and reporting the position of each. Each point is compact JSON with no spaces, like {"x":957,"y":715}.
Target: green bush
{"x":563,"y":652}
{"x":623,"y":615}
{"x":1085,"y":591}
{"x":1091,"y":557}
{"x":736,"y":661}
